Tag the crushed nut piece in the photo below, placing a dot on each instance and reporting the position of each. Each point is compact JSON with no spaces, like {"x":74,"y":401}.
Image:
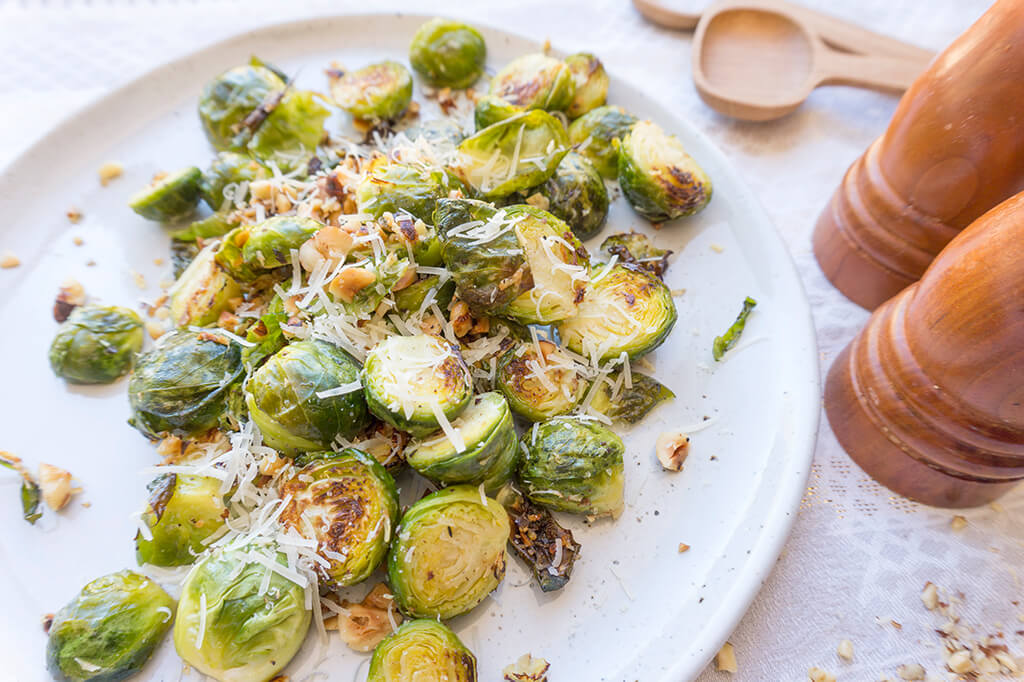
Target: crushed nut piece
{"x":109,"y":172}
{"x":911,"y":671}
{"x":461,"y":319}
{"x":683,"y":547}
{"x":958,"y":522}
{"x":725,"y":659}
{"x":77,"y":241}
{"x":527,"y":669}
{"x":1007,"y":661}
{"x":717,"y":248}
{"x":55,"y":486}
{"x":996,"y":507}
{"x":70,"y":296}
{"x":74,"y":217}
{"x":48,"y":621}
{"x":845,"y":650}
{"x":818,"y":675}
{"x":9,"y":260}
{"x":960,"y":661}
{"x":154,"y":330}
{"x":350,"y":282}
{"x":87,"y":504}
{"x":539,"y":200}
{"x":158,"y":262}
{"x":369,"y":621}
{"x":672,"y":448}
{"x":140,"y":279}
{"x":930,"y":596}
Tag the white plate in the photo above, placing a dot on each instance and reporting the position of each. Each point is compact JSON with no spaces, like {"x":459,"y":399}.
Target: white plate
{"x":636,"y":608}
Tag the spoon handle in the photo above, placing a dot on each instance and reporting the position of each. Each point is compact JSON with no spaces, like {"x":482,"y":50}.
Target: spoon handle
{"x":665,"y":16}
{"x":886,"y":74}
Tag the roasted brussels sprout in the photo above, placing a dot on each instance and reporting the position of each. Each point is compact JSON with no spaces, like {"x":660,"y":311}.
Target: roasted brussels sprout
{"x":230,"y":98}
{"x":283,"y":397}
{"x":247,"y":251}
{"x":636,"y":249}
{"x":660,"y":180}
{"x":592,"y":135}
{"x":448,"y":53}
{"x":591,"y":82}
{"x":422,"y":650}
{"x":109,"y":630}
{"x":626,"y":310}
{"x":229,"y":168}
{"x":202,"y":292}
{"x":547,"y":548}
{"x":539,"y":385}
{"x":512,"y":155}
{"x":535,"y":81}
{"x":490,"y":109}
{"x":96,"y":344}
{"x":182,"y":511}
{"x":393,"y":187}
{"x":630,"y":403}
{"x":169,"y":197}
{"x":416,"y":382}
{"x":229,"y":628}
{"x":448,"y":553}
{"x":291,"y":131}
{"x":488,"y":452}
{"x":182,"y":385}
{"x":576,"y":194}
{"x":348,"y":504}
{"x":214,"y":225}
{"x":411,"y":298}
{"x":376,"y":92}
{"x":574,"y":465}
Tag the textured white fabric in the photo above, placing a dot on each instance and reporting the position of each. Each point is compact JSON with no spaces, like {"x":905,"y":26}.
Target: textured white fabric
{"x":859,"y":556}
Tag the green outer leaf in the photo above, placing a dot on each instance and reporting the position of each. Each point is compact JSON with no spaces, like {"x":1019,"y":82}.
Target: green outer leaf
{"x":490,"y":110}
{"x":292,"y":130}
{"x":448,"y":53}
{"x":577,"y":195}
{"x":409,"y":299}
{"x":636,"y":249}
{"x":228,"y":168}
{"x":229,"y":98}
{"x":30,"y":497}
{"x":632,"y":404}
{"x":726,"y":341}
{"x":593,"y":133}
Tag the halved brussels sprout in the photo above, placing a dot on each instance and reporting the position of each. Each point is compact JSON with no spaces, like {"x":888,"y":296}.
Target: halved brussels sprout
{"x":636,"y":249}
{"x":229,"y":628}
{"x":422,"y":651}
{"x":448,"y":553}
{"x":448,"y":53}
{"x":660,"y":180}
{"x":379,"y":91}
{"x":632,"y":403}
{"x":182,"y":385}
{"x":247,"y":251}
{"x":541,"y":385}
{"x":576,"y":194}
{"x":535,"y":81}
{"x":202,"y":292}
{"x":229,"y":168}
{"x":490,"y":109}
{"x":169,"y":197}
{"x":292,"y":130}
{"x":282,"y":397}
{"x":182,"y":511}
{"x":415,"y":382}
{"x":548,"y":549}
{"x":512,"y":155}
{"x":411,"y":298}
{"x":392,"y":187}
{"x":574,"y":465}
{"x":627,"y":310}
{"x":109,"y":630}
{"x":489,"y":452}
{"x":348,"y":504}
{"x":230,"y":98}
{"x":591,"y":83}
{"x":592,"y":135}
{"x":96,"y":344}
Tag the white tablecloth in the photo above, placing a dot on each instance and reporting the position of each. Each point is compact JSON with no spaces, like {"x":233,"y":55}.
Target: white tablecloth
{"x":859,"y":556}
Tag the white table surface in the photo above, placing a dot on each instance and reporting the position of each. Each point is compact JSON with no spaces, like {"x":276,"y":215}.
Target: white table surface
{"x":858,"y":556}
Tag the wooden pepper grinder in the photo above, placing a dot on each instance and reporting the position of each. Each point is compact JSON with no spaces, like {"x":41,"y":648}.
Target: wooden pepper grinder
{"x":953,"y":150}
{"x":929,"y":398}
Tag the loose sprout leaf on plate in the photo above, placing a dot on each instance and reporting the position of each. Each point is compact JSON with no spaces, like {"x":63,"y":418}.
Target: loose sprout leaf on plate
{"x":723,"y":343}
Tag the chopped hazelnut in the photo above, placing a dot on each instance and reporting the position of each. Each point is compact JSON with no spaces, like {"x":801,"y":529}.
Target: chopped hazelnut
{"x":369,"y":621}
{"x":717,"y":248}
{"x":845,"y":650}
{"x":958,"y":522}
{"x":8,"y":260}
{"x":461,"y":319}
{"x":930,"y":596}
{"x":911,"y":671}
{"x":1007,"y":661}
{"x":48,"y":622}
{"x":960,"y":661}
{"x":527,"y":669}
{"x":109,"y":172}
{"x":672,"y":448}
{"x":538,"y":200}
{"x":818,"y":675}
{"x":407,"y":278}
{"x":70,"y":296}
{"x":350,"y":282}
{"x":55,"y":486}
{"x":77,"y":241}
{"x":683,"y":547}
{"x":74,"y":216}
{"x":725,"y":659}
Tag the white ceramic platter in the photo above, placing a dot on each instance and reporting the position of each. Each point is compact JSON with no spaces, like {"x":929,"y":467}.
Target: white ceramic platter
{"x":636,"y":608}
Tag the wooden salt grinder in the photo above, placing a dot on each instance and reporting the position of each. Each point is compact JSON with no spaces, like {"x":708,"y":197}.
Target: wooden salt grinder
{"x":927,"y":399}
{"x":954,"y":149}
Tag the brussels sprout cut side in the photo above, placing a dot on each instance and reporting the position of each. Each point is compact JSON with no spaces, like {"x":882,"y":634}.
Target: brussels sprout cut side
{"x":416,"y":383}
{"x":228,"y":168}
{"x":392,"y":187}
{"x":448,"y":553}
{"x":448,"y":53}
{"x":539,"y":384}
{"x":636,"y":249}
{"x":660,"y":180}
{"x":574,"y":465}
{"x":228,"y":628}
{"x":591,"y":82}
{"x":169,"y":197}
{"x":230,"y":98}
{"x":576,"y":194}
{"x":422,"y":650}
{"x":109,"y":630}
{"x":592,"y":135}
{"x":182,"y":511}
{"x":96,"y":344}
{"x":348,"y":503}
{"x":248,"y":251}
{"x":490,"y":447}
{"x":202,"y":292}
{"x":378,"y":92}
{"x":535,"y":81}
{"x":490,"y":110}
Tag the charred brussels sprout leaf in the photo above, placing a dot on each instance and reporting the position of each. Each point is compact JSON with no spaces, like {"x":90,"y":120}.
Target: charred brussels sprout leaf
{"x":248,"y":251}
{"x":512,"y":155}
{"x":230,"y":98}
{"x":574,"y":466}
{"x":633,"y":403}
{"x":348,"y":504}
{"x":182,"y":511}
{"x":591,"y":83}
{"x":636,"y":249}
{"x":422,"y":649}
{"x":489,"y":449}
{"x":490,"y":109}
{"x":627,"y":310}
{"x":96,"y":344}
{"x":282,"y":397}
{"x":576,"y":194}
{"x":411,"y":298}
{"x":228,"y":628}
{"x":539,"y":385}
{"x":394,"y":187}
{"x":202,"y":292}
{"x":547,"y":548}
{"x":376,"y":92}
{"x":448,"y":553}
{"x":592,"y":135}
{"x":413,"y":382}
{"x":291,"y":132}
{"x":229,"y":168}
{"x":535,"y":81}
{"x":109,"y":630}
{"x":727,"y":340}
{"x":169,"y":197}
{"x":660,"y":180}
{"x":448,"y":53}
{"x":182,"y":385}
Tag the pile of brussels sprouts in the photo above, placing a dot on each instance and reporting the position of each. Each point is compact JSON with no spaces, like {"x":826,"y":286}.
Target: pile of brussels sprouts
{"x":348,"y":311}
